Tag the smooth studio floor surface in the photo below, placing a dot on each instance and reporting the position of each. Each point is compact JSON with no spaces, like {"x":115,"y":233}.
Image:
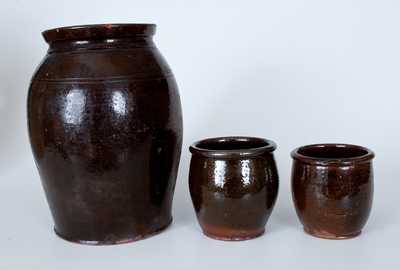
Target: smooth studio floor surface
{"x":28,"y":242}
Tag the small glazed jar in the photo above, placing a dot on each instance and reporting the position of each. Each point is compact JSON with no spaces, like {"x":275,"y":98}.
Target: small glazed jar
{"x":332,"y":188}
{"x":233,"y":183}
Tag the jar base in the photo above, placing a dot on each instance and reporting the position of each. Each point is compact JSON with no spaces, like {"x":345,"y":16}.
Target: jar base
{"x":224,"y":234}
{"x":113,"y":242}
{"x":330,"y":236}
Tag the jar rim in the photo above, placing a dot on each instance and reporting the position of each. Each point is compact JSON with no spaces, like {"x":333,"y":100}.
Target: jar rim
{"x":232,"y":147}
{"x":99,"y":31}
{"x":332,"y":153}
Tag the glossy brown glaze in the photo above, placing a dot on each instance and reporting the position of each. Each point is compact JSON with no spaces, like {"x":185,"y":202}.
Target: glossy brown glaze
{"x":233,"y":183}
{"x":105,"y":126}
{"x":332,"y":188}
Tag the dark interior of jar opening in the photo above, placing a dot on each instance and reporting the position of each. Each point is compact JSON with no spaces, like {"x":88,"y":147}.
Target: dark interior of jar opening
{"x":232,"y":144}
{"x":333,"y":152}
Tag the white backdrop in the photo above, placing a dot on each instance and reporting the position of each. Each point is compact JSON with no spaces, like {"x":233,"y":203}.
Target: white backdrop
{"x":293,"y":71}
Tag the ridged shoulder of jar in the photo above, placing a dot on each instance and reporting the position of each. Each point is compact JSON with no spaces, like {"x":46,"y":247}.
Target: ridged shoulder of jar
{"x":109,"y":64}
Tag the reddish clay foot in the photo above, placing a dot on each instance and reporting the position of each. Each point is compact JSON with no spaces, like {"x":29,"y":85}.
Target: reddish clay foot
{"x":228,"y":234}
{"x":327,"y":235}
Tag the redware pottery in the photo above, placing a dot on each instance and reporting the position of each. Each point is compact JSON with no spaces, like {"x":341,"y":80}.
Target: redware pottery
{"x":332,"y":188}
{"x":233,"y":183}
{"x":105,"y":127}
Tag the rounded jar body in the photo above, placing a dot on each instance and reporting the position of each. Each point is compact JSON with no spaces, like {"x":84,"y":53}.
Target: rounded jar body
{"x":332,"y":188}
{"x":105,"y":127}
{"x":234,"y":185}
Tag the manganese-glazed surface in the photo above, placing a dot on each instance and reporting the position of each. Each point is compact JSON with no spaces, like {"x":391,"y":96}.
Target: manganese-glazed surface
{"x":105,"y":126}
{"x":234,"y":185}
{"x":332,"y":187}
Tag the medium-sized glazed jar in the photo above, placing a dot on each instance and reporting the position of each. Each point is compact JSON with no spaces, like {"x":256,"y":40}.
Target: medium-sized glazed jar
{"x":332,"y":188}
{"x":233,"y":183}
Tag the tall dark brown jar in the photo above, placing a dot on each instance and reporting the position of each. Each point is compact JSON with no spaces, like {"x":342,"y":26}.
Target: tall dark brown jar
{"x":234,"y":185}
{"x":105,"y":126}
{"x":332,"y":187}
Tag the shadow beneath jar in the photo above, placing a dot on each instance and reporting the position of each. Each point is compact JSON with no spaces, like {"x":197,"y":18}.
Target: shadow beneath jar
{"x":182,"y":211}
{"x":283,"y":217}
{"x":379,"y":221}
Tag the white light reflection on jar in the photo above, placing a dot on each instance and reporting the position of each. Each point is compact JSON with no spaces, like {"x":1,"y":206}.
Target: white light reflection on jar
{"x":119,"y":103}
{"x":219,"y":173}
{"x":245,"y":171}
{"x":74,"y":107}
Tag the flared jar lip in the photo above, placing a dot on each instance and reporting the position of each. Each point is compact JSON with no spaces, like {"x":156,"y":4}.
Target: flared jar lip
{"x":99,"y":31}
{"x":232,"y":147}
{"x":332,"y":153}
